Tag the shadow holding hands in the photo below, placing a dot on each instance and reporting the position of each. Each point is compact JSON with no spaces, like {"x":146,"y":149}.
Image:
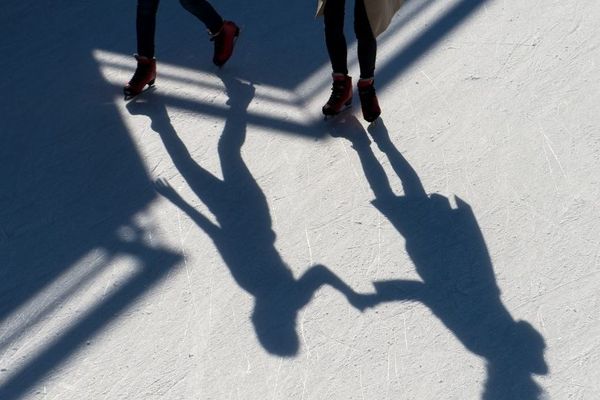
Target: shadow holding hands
{"x":243,"y":234}
{"x":458,"y":284}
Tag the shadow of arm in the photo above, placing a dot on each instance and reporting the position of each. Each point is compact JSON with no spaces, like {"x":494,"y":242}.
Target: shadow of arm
{"x":167,"y":191}
{"x":400,"y":290}
{"x":319,"y":275}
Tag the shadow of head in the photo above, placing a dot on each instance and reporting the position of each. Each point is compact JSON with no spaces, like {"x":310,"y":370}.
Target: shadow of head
{"x":528,"y":348}
{"x":512,"y":364}
{"x":275,"y":326}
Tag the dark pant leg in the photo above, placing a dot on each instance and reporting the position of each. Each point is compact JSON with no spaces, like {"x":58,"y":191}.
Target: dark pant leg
{"x":334,"y":35}
{"x":205,"y":12}
{"x":146,"y":26}
{"x":367,"y":44}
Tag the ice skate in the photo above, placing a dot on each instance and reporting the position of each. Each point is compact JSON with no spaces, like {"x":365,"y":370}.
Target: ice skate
{"x":368,"y":100}
{"x":341,"y":95}
{"x":145,"y":74}
{"x":225,"y":40}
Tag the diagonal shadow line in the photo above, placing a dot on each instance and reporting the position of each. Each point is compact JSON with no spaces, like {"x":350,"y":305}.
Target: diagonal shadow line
{"x":450,"y":255}
{"x":50,"y":307}
{"x":422,"y":44}
{"x":179,"y":78}
{"x":277,"y":125}
{"x":156,"y":263}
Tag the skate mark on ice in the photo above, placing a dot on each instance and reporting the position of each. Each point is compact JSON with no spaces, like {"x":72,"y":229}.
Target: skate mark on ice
{"x":549,"y":144}
{"x":310,"y":255}
{"x":441,"y":93}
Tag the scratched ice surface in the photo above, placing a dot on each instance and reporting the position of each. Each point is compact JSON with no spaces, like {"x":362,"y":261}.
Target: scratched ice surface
{"x":215,"y":238}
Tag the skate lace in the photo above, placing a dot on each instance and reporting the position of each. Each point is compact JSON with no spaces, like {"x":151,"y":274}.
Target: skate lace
{"x":337,"y":90}
{"x":368,"y":91}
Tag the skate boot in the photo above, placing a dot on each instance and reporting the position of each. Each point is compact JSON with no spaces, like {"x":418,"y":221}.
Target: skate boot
{"x":368,"y":100}
{"x":224,"y":41}
{"x":341,"y":94}
{"x":145,"y":74}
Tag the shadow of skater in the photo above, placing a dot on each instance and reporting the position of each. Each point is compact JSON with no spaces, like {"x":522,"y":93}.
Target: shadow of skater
{"x":243,"y":235}
{"x":450,"y":255}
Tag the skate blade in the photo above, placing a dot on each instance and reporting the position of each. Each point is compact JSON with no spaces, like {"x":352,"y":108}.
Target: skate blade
{"x":341,"y":112}
{"x":128,"y":97}
{"x":375,"y":122}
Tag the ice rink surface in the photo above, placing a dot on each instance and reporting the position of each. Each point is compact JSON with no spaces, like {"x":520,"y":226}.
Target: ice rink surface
{"x":215,"y":238}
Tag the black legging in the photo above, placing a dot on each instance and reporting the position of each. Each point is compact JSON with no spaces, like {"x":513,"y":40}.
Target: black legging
{"x":336,"y":41}
{"x":146,"y":21}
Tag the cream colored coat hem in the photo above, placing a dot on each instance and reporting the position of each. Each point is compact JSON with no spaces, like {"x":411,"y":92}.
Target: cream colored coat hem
{"x":379,"y":12}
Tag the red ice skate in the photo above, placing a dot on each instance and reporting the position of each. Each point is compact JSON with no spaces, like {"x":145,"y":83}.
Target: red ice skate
{"x":145,"y":74}
{"x":341,"y":95}
{"x":368,"y":100}
{"x":224,"y":41}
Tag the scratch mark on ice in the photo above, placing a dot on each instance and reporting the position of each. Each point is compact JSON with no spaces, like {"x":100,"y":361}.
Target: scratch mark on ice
{"x":105,"y":289}
{"x":387,"y":392}
{"x":304,"y":386}
{"x":362,"y":388}
{"x":549,"y":144}
{"x":550,"y":169}
{"x":274,"y":213}
{"x":354,"y":170}
{"x":210,"y":304}
{"x":378,"y":261}
{"x":248,"y":367}
{"x":185,"y":263}
{"x":277,"y":378}
{"x":405,"y":333}
{"x":436,"y":88}
{"x":446,"y":173}
{"x":310,"y":255}
{"x":304,"y":341}
{"x":541,"y":321}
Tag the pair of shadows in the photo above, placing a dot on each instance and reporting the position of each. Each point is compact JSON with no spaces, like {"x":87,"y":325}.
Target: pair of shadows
{"x":445,"y":244}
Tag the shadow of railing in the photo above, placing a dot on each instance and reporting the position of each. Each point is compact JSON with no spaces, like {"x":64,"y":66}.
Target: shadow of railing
{"x":457,"y":283}
{"x":154,"y":264}
{"x":427,"y":40}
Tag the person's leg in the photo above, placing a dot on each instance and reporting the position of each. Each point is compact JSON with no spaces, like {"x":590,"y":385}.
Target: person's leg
{"x":205,"y":12}
{"x":341,"y":90}
{"x":367,"y":54}
{"x":145,"y":72}
{"x":334,"y":35}
{"x":367,"y":44}
{"x":146,"y":27}
{"x":223,"y":33}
